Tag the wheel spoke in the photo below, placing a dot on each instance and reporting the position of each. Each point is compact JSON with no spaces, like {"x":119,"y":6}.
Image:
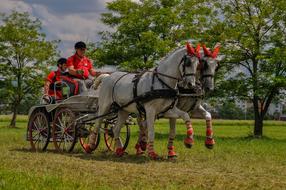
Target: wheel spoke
{"x":37,"y":133}
{"x":61,"y":124}
{"x":34,"y":124}
{"x":65,"y":143}
{"x":70,"y":137}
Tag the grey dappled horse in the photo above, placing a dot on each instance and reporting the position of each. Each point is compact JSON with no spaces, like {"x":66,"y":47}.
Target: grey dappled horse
{"x":179,"y":65}
{"x":190,"y":103}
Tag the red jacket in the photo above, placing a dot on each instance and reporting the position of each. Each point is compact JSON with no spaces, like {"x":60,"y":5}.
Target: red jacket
{"x":80,"y":63}
{"x":53,"y":77}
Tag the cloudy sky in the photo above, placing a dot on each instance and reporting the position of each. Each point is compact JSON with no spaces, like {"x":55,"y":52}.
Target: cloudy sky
{"x":67,"y":20}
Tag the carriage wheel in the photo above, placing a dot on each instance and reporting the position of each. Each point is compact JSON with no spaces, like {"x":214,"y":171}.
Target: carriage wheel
{"x":64,"y":130}
{"x":85,"y":140}
{"x":109,"y":136}
{"x":39,"y":131}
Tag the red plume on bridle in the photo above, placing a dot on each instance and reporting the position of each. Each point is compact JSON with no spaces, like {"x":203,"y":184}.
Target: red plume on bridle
{"x":213,"y":54}
{"x":198,"y":48}
{"x":216,"y":50}
{"x":192,"y":51}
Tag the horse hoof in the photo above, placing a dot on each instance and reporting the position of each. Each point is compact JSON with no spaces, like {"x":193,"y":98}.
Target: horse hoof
{"x":139,"y":152}
{"x":188,"y":142}
{"x":87,"y":148}
{"x":209,"y":143}
{"x":171,"y":152}
{"x":120,"y":152}
{"x":188,"y":145}
{"x":153,"y":156}
{"x":209,"y":146}
{"x":172,"y":157}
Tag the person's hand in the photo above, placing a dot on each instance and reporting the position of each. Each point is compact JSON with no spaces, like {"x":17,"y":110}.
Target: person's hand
{"x":79,"y":72}
{"x":47,"y":99}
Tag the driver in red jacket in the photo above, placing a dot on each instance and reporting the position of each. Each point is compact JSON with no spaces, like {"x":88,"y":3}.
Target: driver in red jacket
{"x":80,"y":66}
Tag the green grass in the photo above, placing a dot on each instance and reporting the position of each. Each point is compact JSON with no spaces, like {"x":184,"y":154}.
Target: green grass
{"x":237,"y":161}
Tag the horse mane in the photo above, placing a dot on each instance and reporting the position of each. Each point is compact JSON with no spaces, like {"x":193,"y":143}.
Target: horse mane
{"x":170,"y":53}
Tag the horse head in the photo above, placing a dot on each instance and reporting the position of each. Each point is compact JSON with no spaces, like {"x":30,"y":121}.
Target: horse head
{"x":189,"y":64}
{"x":208,"y":66}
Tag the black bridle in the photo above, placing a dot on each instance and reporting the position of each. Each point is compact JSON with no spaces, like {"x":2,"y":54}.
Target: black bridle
{"x":205,"y":66}
{"x":186,"y":60}
{"x":186,"y":63}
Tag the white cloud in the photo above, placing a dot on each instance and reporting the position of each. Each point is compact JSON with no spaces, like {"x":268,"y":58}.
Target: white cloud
{"x":70,"y":27}
{"x":7,"y":5}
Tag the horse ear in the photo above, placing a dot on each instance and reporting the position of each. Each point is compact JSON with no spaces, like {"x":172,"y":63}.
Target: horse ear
{"x":198,"y":48}
{"x":190,"y":49}
{"x":206,"y":51}
{"x":216,"y":50}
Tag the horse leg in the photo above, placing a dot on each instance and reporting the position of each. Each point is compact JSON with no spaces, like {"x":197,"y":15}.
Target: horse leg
{"x":172,"y":135}
{"x":209,"y":142}
{"x":121,"y":119}
{"x":150,"y":119}
{"x":189,"y":140}
{"x":177,"y":113}
{"x":103,"y":109}
{"x":142,"y":140}
{"x":90,"y":146}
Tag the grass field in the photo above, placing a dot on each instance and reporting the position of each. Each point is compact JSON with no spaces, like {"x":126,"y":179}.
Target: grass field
{"x":237,"y":161}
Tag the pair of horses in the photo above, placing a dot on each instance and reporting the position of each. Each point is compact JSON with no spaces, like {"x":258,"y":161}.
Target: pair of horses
{"x":154,"y":92}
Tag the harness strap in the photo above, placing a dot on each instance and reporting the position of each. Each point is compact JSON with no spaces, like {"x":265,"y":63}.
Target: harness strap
{"x":155,"y":74}
{"x":139,"y":106}
{"x":115,"y":85}
{"x":203,"y":76}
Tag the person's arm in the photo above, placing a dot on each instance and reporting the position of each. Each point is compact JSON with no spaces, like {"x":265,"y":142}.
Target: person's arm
{"x":47,"y":87}
{"x":48,"y":82}
{"x":74,"y":71}
{"x":92,"y":72}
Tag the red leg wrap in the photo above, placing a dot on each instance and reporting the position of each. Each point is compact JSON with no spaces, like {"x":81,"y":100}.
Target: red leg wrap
{"x":153,"y":155}
{"x":171,"y":152}
{"x":151,"y":152}
{"x":209,"y":143}
{"x":139,"y":150}
{"x":119,"y":152}
{"x":143,"y":145}
{"x":190,"y":132}
{"x":87,"y":148}
{"x":209,"y":132}
{"x":189,"y":140}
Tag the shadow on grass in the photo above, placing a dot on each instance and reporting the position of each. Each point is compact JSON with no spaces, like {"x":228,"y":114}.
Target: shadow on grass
{"x":104,"y":155}
{"x":97,"y":156}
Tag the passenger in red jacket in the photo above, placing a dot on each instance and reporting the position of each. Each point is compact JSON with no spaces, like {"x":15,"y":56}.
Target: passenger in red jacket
{"x":50,"y":88}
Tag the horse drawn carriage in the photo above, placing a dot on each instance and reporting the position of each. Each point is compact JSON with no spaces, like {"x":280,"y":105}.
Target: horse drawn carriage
{"x":69,"y":121}
{"x":149,"y":94}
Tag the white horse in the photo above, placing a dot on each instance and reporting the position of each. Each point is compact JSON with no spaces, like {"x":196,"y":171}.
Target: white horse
{"x":190,"y":103}
{"x":156,"y":86}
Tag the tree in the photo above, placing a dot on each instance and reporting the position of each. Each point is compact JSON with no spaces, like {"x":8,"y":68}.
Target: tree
{"x":24,"y":56}
{"x":254,"y":36}
{"x":146,"y":31}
